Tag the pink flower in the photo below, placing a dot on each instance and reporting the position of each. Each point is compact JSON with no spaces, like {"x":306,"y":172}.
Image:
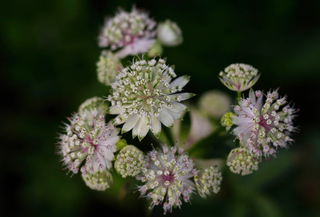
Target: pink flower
{"x":261,"y":127}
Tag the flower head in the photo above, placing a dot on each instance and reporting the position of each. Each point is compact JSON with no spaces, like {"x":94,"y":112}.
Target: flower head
{"x":241,"y":161}
{"x":132,"y":31}
{"x":169,"y":33}
{"x":130,"y":161}
{"x":99,"y":181}
{"x":215,"y":103}
{"x":208,"y":180}
{"x":87,"y":138}
{"x":107,"y":67}
{"x":239,"y":77}
{"x":167,"y":176}
{"x":143,"y":96}
{"x":263,"y":127}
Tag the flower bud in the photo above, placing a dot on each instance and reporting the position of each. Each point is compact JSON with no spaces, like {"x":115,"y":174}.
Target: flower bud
{"x":169,"y":33}
{"x":107,"y":67}
{"x":239,"y":77}
{"x":215,"y":103}
{"x":99,"y":181}
{"x":208,"y":180}
{"x":241,"y":161}
{"x":226,"y":120}
{"x":130,"y":161}
{"x":155,"y":49}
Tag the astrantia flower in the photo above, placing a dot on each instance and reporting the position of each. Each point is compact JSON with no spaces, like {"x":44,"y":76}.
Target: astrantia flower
{"x":107,"y":67}
{"x":99,"y":181}
{"x":208,"y":180}
{"x":261,"y":127}
{"x":144,"y":97}
{"x":87,"y":138}
{"x":132,"y":31}
{"x":167,"y":176}
{"x":215,"y":103}
{"x":169,"y":33}
{"x":130,"y":161}
{"x":241,"y":161}
{"x":239,"y":77}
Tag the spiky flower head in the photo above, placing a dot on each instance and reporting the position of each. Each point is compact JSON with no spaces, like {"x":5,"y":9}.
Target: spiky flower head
{"x":143,"y":96}
{"x":107,"y":67}
{"x":132,"y":31}
{"x":169,"y":33}
{"x":241,"y":161}
{"x":239,"y":77}
{"x":99,"y":181}
{"x":262,"y":127}
{"x":130,"y":161}
{"x":166,"y":176}
{"x":208,"y":180}
{"x":215,"y":103}
{"x":87,"y":138}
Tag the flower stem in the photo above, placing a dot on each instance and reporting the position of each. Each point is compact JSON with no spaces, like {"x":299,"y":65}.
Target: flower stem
{"x":238,"y":97}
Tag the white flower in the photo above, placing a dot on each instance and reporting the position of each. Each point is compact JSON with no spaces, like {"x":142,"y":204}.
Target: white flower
{"x":239,"y":77}
{"x":107,"y":67}
{"x":87,"y":138}
{"x":261,"y":127}
{"x":208,"y":180}
{"x":241,"y":161}
{"x":215,"y":103}
{"x":132,"y":31}
{"x":99,"y":181}
{"x":144,"y":97}
{"x":169,"y":33}
{"x":167,"y":176}
{"x":130,"y":161}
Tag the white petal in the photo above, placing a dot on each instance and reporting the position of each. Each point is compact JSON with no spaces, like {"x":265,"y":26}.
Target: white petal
{"x":156,"y":126}
{"x":252,"y":96}
{"x":140,"y":46}
{"x":109,"y":155}
{"x":178,"y":107}
{"x":166,"y":118}
{"x":181,"y":81}
{"x":174,"y":115}
{"x":181,"y":96}
{"x":130,"y":123}
{"x":144,"y":126}
{"x":115,"y":110}
{"x":110,"y":141}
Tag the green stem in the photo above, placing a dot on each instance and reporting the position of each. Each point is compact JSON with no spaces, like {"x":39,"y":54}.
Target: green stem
{"x":238,"y":97}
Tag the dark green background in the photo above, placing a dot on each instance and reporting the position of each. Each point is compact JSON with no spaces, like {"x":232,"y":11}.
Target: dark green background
{"x":48,"y":55}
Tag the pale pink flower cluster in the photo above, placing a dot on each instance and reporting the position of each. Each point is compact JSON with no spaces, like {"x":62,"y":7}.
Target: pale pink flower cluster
{"x":261,"y":126}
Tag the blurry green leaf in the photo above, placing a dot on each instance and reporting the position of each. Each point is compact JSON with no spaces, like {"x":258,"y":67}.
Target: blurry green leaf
{"x":265,"y":207}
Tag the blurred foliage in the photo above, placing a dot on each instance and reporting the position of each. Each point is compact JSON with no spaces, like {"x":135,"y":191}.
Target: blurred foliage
{"x":48,"y":54}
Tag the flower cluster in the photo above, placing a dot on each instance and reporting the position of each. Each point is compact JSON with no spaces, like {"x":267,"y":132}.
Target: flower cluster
{"x":143,"y":96}
{"x":107,"y":67}
{"x":241,"y":161}
{"x":130,"y":161}
{"x":132,"y":31}
{"x":239,"y":77}
{"x":262,"y":127}
{"x":167,"y":175}
{"x":87,"y":138}
{"x":169,"y":33}
{"x":208,"y":180}
{"x":99,"y":181}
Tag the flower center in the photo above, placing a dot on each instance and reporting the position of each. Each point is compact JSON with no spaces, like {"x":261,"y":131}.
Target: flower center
{"x":167,"y":177}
